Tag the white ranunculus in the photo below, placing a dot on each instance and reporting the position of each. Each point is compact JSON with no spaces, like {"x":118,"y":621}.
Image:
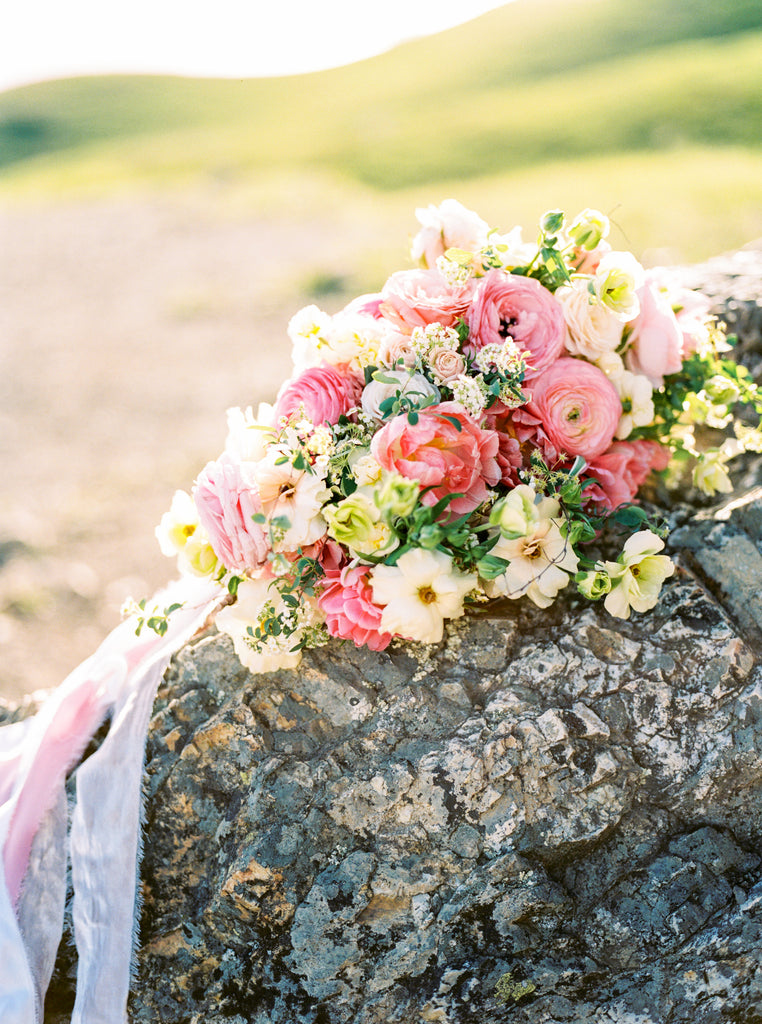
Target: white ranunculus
{"x":591,"y":328}
{"x":410,"y":384}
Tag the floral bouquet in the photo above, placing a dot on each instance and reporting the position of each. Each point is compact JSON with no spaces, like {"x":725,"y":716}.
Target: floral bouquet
{"x":463,"y":435}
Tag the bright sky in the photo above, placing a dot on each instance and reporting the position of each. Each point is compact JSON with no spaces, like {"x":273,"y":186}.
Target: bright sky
{"x":43,"y":39}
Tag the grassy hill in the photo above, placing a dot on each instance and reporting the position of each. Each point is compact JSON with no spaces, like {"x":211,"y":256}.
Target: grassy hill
{"x":531,"y":86}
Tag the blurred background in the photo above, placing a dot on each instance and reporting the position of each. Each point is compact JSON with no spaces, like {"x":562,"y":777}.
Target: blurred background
{"x":158,"y":230}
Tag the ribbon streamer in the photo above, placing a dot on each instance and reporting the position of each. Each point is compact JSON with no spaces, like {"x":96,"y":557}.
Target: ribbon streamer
{"x":119,"y":683}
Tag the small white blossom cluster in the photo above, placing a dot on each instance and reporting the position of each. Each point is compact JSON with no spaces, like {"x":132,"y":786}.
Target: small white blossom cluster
{"x":470,"y":392}
{"x":425,"y":340}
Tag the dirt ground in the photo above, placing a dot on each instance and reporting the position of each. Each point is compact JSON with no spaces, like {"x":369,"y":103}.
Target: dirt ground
{"x":127,"y":327}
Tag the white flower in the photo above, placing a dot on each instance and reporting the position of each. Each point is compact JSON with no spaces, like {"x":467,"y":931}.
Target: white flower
{"x":449,"y":225}
{"x":419,"y":593}
{"x":591,"y":328}
{"x":511,"y":250}
{"x":258,"y":601}
{"x":180,"y":533}
{"x":616,"y":282}
{"x":469,"y":391}
{"x":531,"y":541}
{"x":710,"y":475}
{"x":249,"y":435}
{"x":305,"y":330}
{"x":351,"y":339}
{"x":637,"y":575}
{"x":364,"y":467}
{"x":610,"y":363}
{"x":588,"y":229}
{"x":635,"y":393}
{"x":539,"y":564}
{"x":294,"y":494}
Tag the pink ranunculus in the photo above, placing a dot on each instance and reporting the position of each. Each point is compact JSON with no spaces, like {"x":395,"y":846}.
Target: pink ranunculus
{"x":448,"y":458}
{"x":656,"y":341}
{"x":621,"y":470}
{"x":578,"y":407}
{"x":509,"y":305}
{"x":346,"y":599}
{"x":227,"y":498}
{"x":324,"y":393}
{"x":417,"y":298}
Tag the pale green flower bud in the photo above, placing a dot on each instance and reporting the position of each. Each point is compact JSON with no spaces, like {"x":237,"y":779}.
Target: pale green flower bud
{"x":593,"y":585}
{"x":397,"y":496}
{"x":516,"y":513}
{"x":552,"y":222}
{"x":722,"y":390}
{"x":588,"y":229}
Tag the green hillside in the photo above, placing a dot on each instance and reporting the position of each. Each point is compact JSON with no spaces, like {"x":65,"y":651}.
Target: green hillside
{"x":518,"y":86}
{"x":523,"y":94}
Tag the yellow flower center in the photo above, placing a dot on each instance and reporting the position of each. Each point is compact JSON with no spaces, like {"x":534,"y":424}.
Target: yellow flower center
{"x":426,"y":595}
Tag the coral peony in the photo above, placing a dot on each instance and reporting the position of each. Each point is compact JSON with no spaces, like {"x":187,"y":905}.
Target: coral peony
{"x":416,"y":298}
{"x":227,"y":497}
{"x":508,"y":305}
{"x":438,"y":454}
{"x":578,"y":407}
{"x":346,"y":600}
{"x":321,"y":394}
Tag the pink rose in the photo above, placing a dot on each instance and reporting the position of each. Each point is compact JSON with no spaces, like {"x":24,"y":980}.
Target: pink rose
{"x":578,"y":407}
{"x":509,"y":305}
{"x":621,"y":470}
{"x":227,"y":497}
{"x":446,"y":364}
{"x":417,"y":298}
{"x":324,"y":393}
{"x":346,"y":600}
{"x":656,"y":341}
{"x":441,"y":456}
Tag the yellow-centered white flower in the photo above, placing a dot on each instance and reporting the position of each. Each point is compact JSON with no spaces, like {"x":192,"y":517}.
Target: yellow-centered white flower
{"x":636,"y":395}
{"x":294,"y":494}
{"x":616,"y":282}
{"x":531,"y":541}
{"x":418,"y":593}
{"x":637,"y":575}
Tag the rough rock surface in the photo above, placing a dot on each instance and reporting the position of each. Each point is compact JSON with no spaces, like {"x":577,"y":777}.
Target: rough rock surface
{"x":553,"y":816}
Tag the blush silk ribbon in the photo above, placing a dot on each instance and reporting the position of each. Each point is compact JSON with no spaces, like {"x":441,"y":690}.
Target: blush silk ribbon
{"x":117,"y":684}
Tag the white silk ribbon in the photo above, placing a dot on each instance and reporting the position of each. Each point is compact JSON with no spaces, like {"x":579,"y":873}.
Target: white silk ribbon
{"x":118,"y":683}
